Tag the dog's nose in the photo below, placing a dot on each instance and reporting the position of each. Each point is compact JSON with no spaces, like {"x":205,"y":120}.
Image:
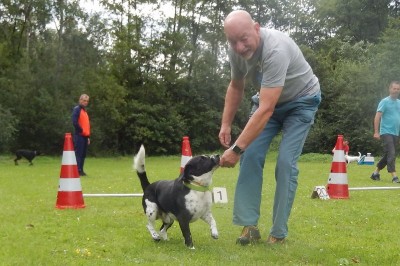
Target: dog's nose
{"x":215,"y":158}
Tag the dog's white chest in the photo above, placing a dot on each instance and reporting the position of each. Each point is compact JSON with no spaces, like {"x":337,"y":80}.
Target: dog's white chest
{"x":198,"y":203}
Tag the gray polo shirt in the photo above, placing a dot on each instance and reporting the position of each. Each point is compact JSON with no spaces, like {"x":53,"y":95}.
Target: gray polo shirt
{"x":277,"y":62}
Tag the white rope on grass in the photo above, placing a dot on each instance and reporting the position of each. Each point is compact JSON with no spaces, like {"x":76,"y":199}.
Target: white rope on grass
{"x":374,"y":188}
{"x":113,"y":195}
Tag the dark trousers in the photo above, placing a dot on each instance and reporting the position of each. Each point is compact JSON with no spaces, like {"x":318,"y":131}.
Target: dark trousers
{"x":389,"y":149}
{"x":80,"y":145}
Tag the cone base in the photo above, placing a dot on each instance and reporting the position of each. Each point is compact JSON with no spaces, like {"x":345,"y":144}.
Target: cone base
{"x":70,"y":200}
{"x":337,"y":191}
{"x":70,"y":207}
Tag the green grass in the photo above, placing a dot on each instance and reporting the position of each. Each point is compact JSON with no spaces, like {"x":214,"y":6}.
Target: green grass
{"x":360,"y":230}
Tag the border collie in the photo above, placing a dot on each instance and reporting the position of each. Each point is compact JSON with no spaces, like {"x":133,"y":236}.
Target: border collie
{"x":185,"y":199}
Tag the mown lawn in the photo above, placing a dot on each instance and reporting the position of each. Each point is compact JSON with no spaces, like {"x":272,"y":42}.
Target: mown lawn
{"x":111,"y":231}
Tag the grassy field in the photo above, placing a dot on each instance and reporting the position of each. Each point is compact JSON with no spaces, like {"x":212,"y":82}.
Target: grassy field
{"x":360,"y":230}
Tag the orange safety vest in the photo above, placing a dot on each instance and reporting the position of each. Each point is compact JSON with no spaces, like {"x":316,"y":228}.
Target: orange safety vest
{"x":84,"y":123}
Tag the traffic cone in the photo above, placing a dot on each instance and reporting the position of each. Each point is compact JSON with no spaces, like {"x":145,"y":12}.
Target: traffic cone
{"x":338,"y":187}
{"x":69,"y":189}
{"x":186,"y":152}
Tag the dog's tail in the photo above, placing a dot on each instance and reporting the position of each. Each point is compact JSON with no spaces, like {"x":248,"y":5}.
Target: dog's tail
{"x":139,"y":165}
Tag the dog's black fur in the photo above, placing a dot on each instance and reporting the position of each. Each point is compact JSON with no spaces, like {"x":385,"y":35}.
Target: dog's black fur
{"x":171,"y":200}
{"x":27,"y":154}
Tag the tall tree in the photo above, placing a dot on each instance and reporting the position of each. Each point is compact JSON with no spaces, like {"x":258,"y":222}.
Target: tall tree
{"x":363,"y":20}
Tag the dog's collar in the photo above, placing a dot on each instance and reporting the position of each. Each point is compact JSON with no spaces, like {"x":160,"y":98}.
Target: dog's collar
{"x":197,"y":187}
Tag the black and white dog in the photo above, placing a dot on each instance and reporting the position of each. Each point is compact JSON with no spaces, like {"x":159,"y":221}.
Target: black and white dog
{"x":184,"y":199}
{"x":27,"y":154}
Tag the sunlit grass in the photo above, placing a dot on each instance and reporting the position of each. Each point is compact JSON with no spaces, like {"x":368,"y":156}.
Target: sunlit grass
{"x":111,"y":231}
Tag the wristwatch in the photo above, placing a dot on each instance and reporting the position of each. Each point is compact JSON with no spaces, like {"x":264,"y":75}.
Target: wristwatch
{"x":236,"y":149}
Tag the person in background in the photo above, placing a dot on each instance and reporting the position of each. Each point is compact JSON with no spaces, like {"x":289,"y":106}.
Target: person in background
{"x":289,"y":96}
{"x":387,"y":128}
{"x":346,"y":147}
{"x":81,"y":123}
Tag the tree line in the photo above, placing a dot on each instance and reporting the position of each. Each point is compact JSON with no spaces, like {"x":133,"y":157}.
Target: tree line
{"x":155,"y":76}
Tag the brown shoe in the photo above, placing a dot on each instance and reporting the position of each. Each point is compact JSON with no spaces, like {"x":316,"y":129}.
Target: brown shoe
{"x":250,"y":234}
{"x":274,"y":240}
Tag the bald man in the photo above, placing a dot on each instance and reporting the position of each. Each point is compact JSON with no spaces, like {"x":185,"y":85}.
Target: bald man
{"x":289,"y":96}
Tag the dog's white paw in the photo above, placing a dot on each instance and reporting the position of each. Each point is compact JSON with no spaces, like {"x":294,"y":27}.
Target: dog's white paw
{"x":163,"y":235}
{"x":155,"y":236}
{"x":214,"y":234}
{"x":153,"y":232}
{"x":213,"y":225}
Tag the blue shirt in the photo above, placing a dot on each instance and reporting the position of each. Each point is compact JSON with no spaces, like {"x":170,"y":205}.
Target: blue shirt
{"x":390,"y":120}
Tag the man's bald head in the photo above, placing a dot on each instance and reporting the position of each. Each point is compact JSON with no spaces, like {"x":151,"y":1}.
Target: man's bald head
{"x":242,"y":33}
{"x":238,"y":16}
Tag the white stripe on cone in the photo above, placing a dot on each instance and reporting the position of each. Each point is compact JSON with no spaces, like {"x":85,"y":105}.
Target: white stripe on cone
{"x":338,"y":156}
{"x":337,"y":178}
{"x":185,"y":160}
{"x":68,"y":158}
{"x":70,"y":184}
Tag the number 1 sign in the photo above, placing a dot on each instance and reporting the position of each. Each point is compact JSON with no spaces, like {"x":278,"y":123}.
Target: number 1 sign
{"x":220,"y":195}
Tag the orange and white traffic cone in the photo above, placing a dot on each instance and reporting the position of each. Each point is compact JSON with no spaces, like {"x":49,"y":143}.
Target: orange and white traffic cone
{"x":186,"y":152}
{"x":69,"y":189}
{"x":338,"y":187}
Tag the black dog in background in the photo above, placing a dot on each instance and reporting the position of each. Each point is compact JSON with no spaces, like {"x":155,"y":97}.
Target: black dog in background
{"x":27,"y":154}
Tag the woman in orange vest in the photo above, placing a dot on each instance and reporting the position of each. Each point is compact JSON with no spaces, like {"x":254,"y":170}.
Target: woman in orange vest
{"x":80,"y":120}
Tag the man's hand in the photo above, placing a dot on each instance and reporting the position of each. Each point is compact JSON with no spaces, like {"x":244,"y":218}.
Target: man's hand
{"x":229,"y":159}
{"x":225,"y":137}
